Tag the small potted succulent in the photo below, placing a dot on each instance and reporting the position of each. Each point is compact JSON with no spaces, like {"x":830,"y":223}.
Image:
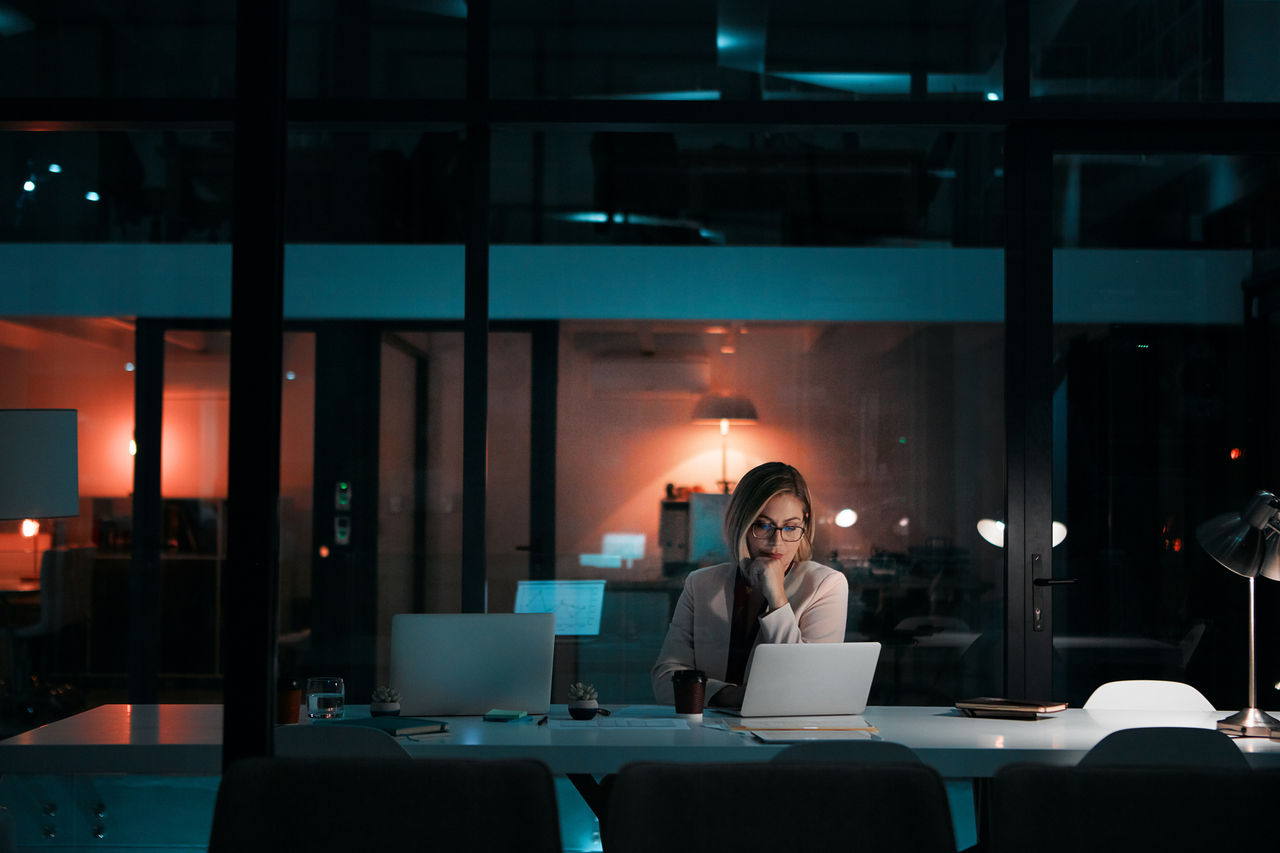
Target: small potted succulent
{"x":583,"y":704}
{"x":384,"y":702}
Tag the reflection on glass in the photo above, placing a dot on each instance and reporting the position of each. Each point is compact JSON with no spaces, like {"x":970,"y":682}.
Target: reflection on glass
{"x":1187,"y":52}
{"x":885,"y":187}
{"x":1152,"y":415}
{"x":180,"y":49}
{"x":117,"y":187}
{"x":852,"y":403}
{"x":802,"y":50}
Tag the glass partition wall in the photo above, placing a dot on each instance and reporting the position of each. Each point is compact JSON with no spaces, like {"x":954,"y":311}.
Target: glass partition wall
{"x":847,"y":283}
{"x":510,"y":229}
{"x":1159,"y":413}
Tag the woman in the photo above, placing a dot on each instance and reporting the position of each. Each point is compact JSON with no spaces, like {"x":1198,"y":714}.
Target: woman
{"x":772,"y":593}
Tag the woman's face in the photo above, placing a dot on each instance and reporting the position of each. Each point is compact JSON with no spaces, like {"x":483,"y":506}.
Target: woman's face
{"x":781,"y":511}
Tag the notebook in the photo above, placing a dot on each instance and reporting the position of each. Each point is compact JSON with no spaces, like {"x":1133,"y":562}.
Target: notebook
{"x":462,"y":664}
{"x":809,"y":679}
{"x":1010,"y":709}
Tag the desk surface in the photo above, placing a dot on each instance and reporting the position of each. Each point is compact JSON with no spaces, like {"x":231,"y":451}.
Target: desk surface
{"x":187,"y":739}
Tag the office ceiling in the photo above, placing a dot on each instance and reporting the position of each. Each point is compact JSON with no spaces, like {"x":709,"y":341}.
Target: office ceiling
{"x":862,"y":187}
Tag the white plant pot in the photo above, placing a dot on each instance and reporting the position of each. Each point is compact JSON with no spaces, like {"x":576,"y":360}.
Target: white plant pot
{"x":382,"y":709}
{"x":583,"y":709}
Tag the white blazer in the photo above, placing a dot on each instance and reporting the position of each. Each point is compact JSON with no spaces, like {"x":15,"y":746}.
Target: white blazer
{"x":698,"y":638}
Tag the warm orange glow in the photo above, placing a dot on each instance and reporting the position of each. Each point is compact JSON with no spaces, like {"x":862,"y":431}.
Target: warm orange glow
{"x":1177,"y":544}
{"x":717,"y":330}
{"x":30,"y":528}
{"x":728,"y":349}
{"x":1236,"y":453}
{"x":193,"y":445}
{"x":324,"y":550}
{"x":724,"y":426}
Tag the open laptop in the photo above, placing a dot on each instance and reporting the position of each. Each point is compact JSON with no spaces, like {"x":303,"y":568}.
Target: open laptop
{"x":808,"y":679}
{"x":462,"y":664}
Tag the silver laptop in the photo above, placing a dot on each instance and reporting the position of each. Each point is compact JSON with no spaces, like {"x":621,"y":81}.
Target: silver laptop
{"x":809,"y":679}
{"x":461,"y":664}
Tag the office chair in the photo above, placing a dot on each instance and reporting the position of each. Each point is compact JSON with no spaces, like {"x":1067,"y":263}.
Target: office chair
{"x":1166,"y":746}
{"x":1051,"y":809}
{"x":1140,"y":695}
{"x":66,"y":586}
{"x":866,"y":751}
{"x":273,"y":804}
{"x":792,"y":806}
{"x":300,"y":740}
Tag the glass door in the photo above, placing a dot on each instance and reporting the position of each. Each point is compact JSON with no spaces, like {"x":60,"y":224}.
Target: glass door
{"x":1157,"y":425}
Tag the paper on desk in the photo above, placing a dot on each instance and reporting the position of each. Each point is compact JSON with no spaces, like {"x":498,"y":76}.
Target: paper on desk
{"x":841,"y":723}
{"x":621,"y":723}
{"x":797,"y":736}
{"x":645,"y":711}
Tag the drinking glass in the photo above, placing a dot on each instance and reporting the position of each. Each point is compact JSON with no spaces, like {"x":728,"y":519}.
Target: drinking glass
{"x":326,"y":697}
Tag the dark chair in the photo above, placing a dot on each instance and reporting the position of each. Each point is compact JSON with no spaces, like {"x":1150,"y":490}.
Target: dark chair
{"x":299,"y":740}
{"x":867,"y":751}
{"x":784,"y":805}
{"x":961,"y":794}
{"x":1166,"y":746}
{"x":1049,"y":809}
{"x":274,"y":804}
{"x":66,"y":586}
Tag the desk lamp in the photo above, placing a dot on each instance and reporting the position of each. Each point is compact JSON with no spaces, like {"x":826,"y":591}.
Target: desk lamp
{"x":725,"y":410}
{"x":1247,"y":543}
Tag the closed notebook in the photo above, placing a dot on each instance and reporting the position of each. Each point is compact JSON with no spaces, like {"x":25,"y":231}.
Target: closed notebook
{"x":998,"y":706}
{"x":395,"y":726}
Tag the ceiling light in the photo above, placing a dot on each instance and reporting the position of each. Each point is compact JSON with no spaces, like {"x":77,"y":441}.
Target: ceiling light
{"x":723,"y":410}
{"x":992,"y":530}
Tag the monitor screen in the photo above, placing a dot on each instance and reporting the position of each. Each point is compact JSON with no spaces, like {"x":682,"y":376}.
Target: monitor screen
{"x":576,"y":604}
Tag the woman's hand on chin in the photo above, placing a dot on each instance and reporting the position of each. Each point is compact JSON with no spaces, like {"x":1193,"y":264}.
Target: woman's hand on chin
{"x":765,"y":575}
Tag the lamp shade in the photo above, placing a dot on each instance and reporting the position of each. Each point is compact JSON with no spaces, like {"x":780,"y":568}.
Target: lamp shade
{"x":39,"y":471}
{"x":734,"y":408}
{"x":1270,"y":566}
{"x":1247,"y":544}
{"x":1236,"y":539}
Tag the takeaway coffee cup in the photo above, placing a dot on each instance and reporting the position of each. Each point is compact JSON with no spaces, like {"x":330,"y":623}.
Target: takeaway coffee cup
{"x":691,"y":692}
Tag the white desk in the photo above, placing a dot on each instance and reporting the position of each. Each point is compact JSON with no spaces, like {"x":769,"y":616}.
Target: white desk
{"x":186,"y":739}
{"x":183,"y":739}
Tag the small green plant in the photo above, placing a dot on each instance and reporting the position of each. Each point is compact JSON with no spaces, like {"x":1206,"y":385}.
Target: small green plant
{"x":385,"y":695}
{"x":579,"y":692}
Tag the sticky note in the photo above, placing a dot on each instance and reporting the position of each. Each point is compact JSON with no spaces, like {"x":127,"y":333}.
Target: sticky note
{"x":500,"y":715}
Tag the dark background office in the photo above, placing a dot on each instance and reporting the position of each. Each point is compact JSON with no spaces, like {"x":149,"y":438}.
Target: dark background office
{"x":968,"y":260}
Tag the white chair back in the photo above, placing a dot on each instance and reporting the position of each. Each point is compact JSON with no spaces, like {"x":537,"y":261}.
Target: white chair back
{"x":1139,"y":695}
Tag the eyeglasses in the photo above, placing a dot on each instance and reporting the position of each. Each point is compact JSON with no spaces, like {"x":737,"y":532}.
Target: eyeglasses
{"x":788,"y":532}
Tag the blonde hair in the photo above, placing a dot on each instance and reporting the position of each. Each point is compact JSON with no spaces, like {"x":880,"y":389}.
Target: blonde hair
{"x":756,"y":488}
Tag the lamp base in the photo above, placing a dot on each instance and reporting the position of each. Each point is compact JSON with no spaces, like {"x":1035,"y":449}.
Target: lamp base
{"x":1250,"y":722}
